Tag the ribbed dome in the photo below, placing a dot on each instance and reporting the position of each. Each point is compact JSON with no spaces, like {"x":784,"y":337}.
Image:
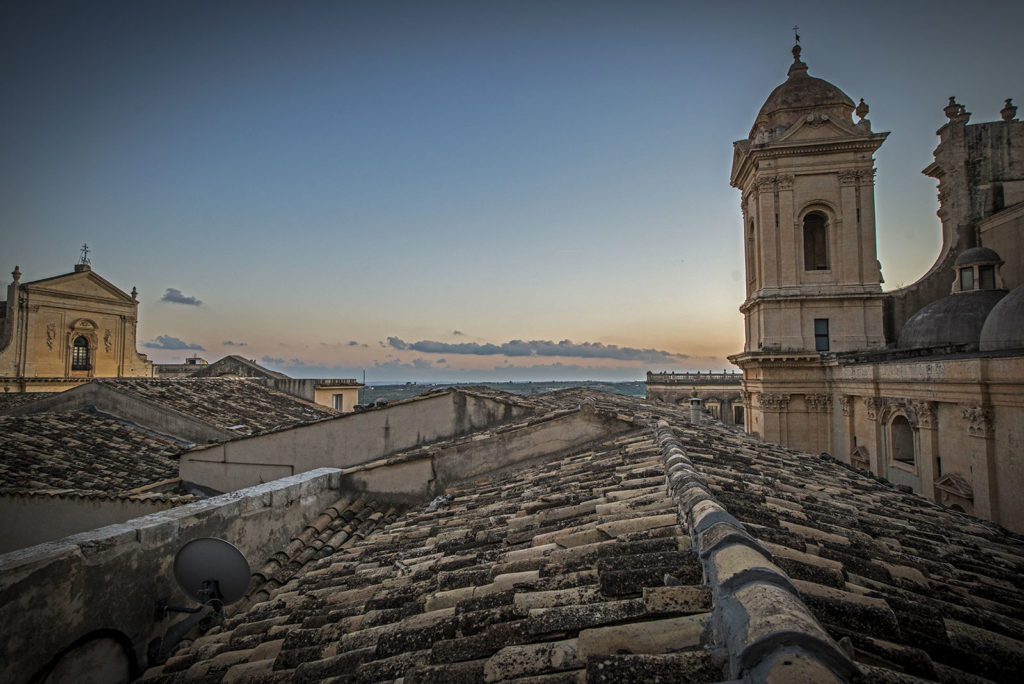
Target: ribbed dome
{"x":1004,"y":327}
{"x":800,"y":94}
{"x":954,"y":319}
{"x":978,"y":255}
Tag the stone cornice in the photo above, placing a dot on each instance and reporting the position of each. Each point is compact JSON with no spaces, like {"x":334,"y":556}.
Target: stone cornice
{"x":745,"y":161}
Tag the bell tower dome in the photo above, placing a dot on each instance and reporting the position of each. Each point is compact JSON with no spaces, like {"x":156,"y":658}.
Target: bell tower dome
{"x":806,"y":173}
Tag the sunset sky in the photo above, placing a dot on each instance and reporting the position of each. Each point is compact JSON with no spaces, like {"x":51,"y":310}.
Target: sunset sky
{"x":447,"y":191}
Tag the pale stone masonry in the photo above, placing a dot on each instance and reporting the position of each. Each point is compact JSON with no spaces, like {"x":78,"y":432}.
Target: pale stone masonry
{"x":924,"y":385}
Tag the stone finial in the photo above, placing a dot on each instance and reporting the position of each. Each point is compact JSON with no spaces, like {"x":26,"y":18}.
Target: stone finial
{"x":797,"y":67}
{"x":862,"y":109}
{"x":1009,"y":111}
{"x":135,"y":293}
{"x":955,"y":111}
{"x":16,"y":274}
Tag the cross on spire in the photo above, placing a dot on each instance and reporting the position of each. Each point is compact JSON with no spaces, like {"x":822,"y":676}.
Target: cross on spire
{"x":795,"y":34}
{"x":84,"y":259}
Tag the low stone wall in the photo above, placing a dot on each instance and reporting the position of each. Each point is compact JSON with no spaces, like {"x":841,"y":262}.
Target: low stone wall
{"x":30,"y":519}
{"x":108,"y":581}
{"x":419,"y":475}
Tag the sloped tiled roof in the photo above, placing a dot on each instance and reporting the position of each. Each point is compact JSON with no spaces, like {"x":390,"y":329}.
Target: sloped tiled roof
{"x":244,"y":406}
{"x":669,"y":553}
{"x":81,"y":453}
{"x":12,"y":399}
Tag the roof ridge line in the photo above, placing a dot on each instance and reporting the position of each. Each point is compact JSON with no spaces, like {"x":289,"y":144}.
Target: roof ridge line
{"x":758,"y":616}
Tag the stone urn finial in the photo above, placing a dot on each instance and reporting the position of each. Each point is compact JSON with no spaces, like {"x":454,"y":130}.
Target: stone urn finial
{"x":16,"y":274}
{"x":1009,"y":111}
{"x":862,"y":109}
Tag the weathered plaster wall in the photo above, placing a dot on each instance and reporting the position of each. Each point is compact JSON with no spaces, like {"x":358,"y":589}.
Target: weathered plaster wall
{"x":30,"y":520}
{"x":55,"y":593}
{"x":427,"y":474}
{"x":343,"y":442}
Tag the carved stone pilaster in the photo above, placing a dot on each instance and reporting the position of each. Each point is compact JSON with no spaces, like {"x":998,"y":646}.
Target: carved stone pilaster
{"x":872,"y":406}
{"x":819,"y":402}
{"x":784,"y":182}
{"x":766,"y":184}
{"x":867,"y":177}
{"x":773,"y":402}
{"x":979,"y":420}
{"x":845,"y":403}
{"x":925,"y":411}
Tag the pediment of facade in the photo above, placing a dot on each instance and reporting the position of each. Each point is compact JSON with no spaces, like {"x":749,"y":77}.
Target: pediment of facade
{"x":86,"y":285}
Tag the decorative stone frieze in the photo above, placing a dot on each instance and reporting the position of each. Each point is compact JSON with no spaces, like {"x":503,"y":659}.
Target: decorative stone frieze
{"x":979,"y":420}
{"x":872,"y":406}
{"x":773,"y":402}
{"x":819,"y":402}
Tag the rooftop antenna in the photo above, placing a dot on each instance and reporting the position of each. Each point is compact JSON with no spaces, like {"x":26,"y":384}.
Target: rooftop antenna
{"x":215,"y":574}
{"x":84,"y":259}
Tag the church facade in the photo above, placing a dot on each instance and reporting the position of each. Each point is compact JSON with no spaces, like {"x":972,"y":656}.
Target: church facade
{"x":924,"y":385}
{"x":59,"y":332}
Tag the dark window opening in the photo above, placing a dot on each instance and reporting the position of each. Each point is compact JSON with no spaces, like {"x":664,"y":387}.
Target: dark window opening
{"x":967,"y":279}
{"x":902,"y":440}
{"x":821,"y":334}
{"x":815,"y":242}
{"x":986,"y":277}
{"x":80,"y":354}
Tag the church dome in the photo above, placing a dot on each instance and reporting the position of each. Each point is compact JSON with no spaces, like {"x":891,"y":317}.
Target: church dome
{"x":978,"y":255}
{"x":953,"y":320}
{"x":1004,"y":327}
{"x":799,"y":95}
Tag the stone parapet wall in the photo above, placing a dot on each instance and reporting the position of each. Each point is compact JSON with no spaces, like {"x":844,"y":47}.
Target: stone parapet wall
{"x":56,"y":594}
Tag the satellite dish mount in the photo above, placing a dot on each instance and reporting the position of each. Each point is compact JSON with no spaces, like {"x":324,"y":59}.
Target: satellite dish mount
{"x":215,"y":574}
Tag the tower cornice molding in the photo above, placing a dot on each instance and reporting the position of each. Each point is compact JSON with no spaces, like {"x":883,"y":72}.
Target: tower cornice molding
{"x":745,"y":160}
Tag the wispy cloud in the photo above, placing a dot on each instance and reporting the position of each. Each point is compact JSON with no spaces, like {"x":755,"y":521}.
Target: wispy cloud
{"x":169,"y":342}
{"x":229,"y":343}
{"x":174,"y":295}
{"x":590,"y":350}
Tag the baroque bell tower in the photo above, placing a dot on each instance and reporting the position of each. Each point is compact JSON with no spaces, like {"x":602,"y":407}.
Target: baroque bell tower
{"x":813,"y":282}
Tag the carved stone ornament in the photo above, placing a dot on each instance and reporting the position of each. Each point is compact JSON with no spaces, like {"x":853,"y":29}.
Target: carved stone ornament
{"x":848,"y":177}
{"x":773,"y":402}
{"x":872,"y":405}
{"x":816,"y":119}
{"x":925,"y":411}
{"x":845,"y":403}
{"x":784,"y":182}
{"x":819,"y":402}
{"x":766,"y":184}
{"x":106,"y":340}
{"x":979,"y":420}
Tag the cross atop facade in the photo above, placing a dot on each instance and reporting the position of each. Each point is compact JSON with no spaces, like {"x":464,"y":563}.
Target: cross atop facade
{"x":84,"y":259}
{"x":797,"y":35}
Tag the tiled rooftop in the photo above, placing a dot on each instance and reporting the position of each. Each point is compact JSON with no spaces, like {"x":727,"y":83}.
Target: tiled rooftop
{"x":669,"y":553}
{"x":83,"y":453}
{"x":244,"y":406}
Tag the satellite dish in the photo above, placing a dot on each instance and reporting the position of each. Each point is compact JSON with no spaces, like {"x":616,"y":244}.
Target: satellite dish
{"x":210,"y":568}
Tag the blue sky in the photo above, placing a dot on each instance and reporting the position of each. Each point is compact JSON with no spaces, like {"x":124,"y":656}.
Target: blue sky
{"x":301,"y":182}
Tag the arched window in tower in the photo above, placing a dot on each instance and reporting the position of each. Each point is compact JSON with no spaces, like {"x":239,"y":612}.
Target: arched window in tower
{"x":815,"y":242}
{"x":902,"y":440}
{"x":80,"y":354}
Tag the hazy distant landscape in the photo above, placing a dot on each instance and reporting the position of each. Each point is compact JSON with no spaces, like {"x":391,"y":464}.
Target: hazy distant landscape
{"x":372,"y":393}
